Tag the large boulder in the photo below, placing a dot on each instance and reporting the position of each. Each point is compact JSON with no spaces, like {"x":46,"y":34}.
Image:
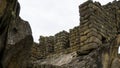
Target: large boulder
{"x":15,"y":36}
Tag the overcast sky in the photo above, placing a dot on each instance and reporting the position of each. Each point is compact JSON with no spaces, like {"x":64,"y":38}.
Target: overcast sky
{"x":48,"y":17}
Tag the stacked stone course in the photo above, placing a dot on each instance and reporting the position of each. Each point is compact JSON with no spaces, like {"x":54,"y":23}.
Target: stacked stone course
{"x":61,"y":41}
{"x":74,"y":38}
{"x":95,"y":28}
{"x":95,"y":40}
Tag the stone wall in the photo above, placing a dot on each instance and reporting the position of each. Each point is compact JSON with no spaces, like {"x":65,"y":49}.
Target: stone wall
{"x":46,"y":45}
{"x":94,"y":29}
{"x":36,"y":52}
{"x":98,"y":30}
{"x":95,"y":40}
{"x":61,"y":41}
{"x":74,"y":38}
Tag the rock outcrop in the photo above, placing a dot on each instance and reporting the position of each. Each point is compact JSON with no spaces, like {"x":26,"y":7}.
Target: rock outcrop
{"x":92,"y":44}
{"x":15,"y":36}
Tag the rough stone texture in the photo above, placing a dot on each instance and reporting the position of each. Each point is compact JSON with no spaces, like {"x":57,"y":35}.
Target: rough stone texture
{"x":36,"y":52}
{"x":15,"y":36}
{"x":61,"y":41}
{"x":92,"y":44}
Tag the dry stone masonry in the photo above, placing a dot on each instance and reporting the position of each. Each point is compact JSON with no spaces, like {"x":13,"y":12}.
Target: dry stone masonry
{"x":92,"y":44}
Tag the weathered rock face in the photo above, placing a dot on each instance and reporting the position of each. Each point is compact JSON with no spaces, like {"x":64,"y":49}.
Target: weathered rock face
{"x":92,"y":44}
{"x":15,"y":36}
